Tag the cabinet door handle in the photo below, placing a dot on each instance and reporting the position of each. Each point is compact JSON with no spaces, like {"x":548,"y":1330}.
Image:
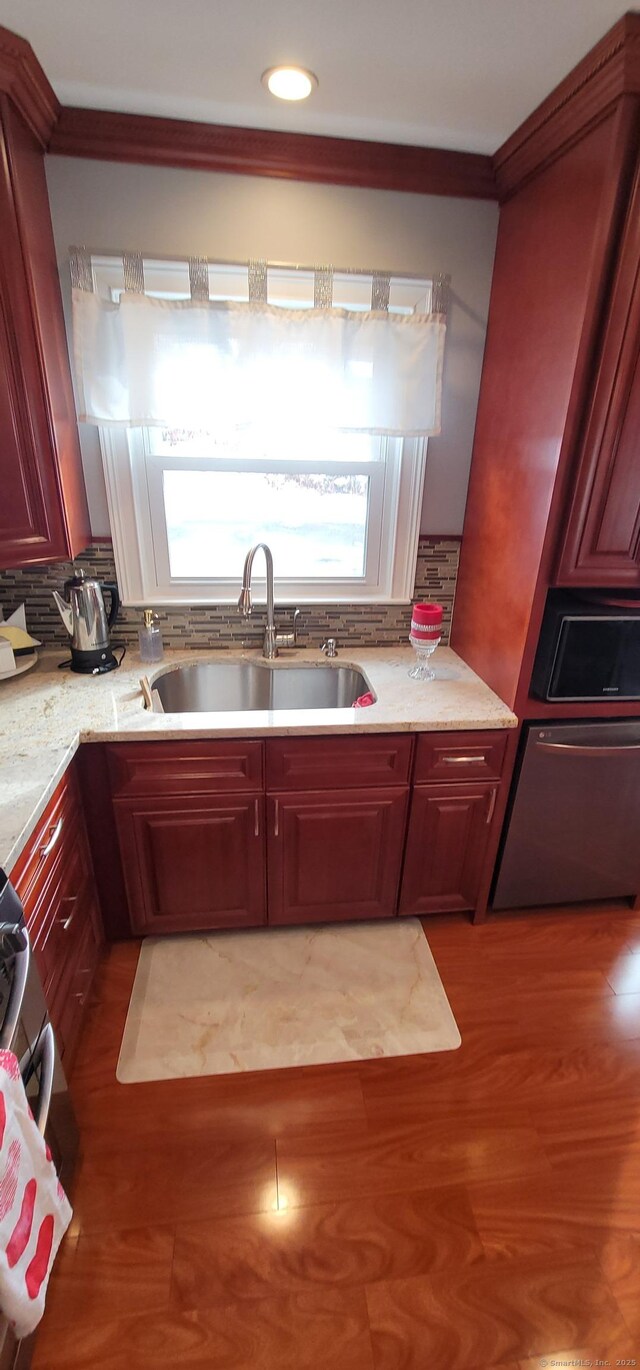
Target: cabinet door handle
{"x":53,"y":840}
{"x":256,"y":818}
{"x":492,"y":804}
{"x":276,"y":824}
{"x":461,"y":760}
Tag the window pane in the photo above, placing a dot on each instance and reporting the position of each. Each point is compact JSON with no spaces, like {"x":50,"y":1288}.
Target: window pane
{"x":252,"y":445}
{"x":314,"y":524}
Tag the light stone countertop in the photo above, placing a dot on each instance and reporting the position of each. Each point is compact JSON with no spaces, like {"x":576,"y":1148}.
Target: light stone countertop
{"x":46,"y":713}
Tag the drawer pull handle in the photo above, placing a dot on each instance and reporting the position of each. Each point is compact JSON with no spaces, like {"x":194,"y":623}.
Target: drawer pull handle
{"x":256,"y":820}
{"x":492,"y":804}
{"x":276,"y":825}
{"x":53,"y":840}
{"x":65,"y":923}
{"x":461,"y":760}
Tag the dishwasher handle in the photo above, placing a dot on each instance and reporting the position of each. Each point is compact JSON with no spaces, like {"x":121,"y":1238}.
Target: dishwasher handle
{"x":577,"y":749}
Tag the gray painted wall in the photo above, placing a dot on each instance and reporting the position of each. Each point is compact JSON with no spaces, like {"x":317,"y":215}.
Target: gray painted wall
{"x":112,"y":206}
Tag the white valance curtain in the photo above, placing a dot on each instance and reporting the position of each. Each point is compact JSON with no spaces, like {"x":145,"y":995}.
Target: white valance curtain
{"x":211,"y":364}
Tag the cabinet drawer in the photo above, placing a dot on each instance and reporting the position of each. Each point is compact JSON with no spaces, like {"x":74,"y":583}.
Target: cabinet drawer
{"x":209,"y":767}
{"x":459,"y":756}
{"x":59,"y":920}
{"x":329,"y":763}
{"x":72,"y":991}
{"x":54,"y":837}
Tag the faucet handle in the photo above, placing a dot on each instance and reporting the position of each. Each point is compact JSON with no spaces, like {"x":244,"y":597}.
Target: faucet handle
{"x":289,"y":639}
{"x":329,"y":647}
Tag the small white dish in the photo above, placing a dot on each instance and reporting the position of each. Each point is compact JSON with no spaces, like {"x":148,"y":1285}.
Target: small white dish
{"x":23,"y":663}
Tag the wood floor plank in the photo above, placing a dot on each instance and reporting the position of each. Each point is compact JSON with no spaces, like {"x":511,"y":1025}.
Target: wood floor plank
{"x":535,"y":1078}
{"x":317,"y":1167}
{"x":491,"y":1313}
{"x":576,"y":1206}
{"x":329,"y":1245}
{"x":126,"y":1271}
{"x":624,"y":974}
{"x":301,"y":1332}
{"x":620,"y":1261}
{"x":126,"y":1188}
{"x":240,"y":1106}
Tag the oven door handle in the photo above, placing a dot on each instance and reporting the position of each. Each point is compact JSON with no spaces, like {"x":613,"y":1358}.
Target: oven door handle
{"x":16,"y":995}
{"x":45,"y":1057}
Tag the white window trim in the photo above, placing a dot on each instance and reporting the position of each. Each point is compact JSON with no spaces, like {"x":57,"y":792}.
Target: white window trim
{"x":141,"y":564}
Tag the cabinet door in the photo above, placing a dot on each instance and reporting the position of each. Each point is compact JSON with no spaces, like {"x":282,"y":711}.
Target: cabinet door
{"x":30,"y":523}
{"x":335,"y":855}
{"x":448,"y":831}
{"x":43,"y":509}
{"x":602,"y":542}
{"x":193,"y":863}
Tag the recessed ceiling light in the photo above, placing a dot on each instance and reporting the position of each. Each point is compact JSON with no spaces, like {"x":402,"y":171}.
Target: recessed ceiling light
{"x":289,"y":83}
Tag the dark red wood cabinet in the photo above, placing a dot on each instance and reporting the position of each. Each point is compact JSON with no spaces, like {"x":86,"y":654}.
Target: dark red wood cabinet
{"x":55,"y":880}
{"x":335,"y":855}
{"x":43,"y":509}
{"x":193,"y":862}
{"x":554,"y":491}
{"x":200,"y":840}
{"x":601,"y":545}
{"x":446,"y":844}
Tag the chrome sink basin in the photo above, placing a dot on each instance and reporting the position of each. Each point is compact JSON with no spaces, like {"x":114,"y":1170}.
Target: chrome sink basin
{"x":221,"y":686}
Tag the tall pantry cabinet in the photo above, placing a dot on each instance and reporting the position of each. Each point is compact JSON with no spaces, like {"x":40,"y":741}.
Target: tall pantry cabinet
{"x":554,"y":495}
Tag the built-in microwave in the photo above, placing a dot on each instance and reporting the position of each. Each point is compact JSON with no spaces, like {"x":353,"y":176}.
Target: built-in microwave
{"x":589,"y":648}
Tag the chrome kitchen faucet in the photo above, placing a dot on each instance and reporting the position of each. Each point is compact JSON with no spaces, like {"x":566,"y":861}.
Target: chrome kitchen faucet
{"x":272,"y":639}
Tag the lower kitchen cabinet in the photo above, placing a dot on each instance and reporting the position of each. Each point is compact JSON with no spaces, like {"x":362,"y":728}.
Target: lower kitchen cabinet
{"x":193,"y":862}
{"x":335,"y":855}
{"x":55,"y":880}
{"x":222,"y":833}
{"x":449,"y":828}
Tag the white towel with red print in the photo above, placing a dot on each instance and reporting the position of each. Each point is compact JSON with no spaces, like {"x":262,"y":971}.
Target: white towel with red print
{"x":34,"y":1210}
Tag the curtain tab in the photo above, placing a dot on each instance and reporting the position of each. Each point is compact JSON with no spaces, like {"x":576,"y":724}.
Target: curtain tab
{"x":199,"y":278}
{"x":323,"y":287}
{"x":440,"y":291}
{"x":257,"y":272}
{"x":380,"y":290}
{"x":81,"y":272}
{"x":133,"y":270}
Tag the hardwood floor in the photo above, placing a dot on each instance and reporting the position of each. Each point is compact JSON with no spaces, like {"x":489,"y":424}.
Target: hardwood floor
{"x":469,"y":1210}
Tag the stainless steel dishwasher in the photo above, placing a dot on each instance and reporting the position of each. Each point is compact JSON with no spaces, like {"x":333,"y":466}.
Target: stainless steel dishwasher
{"x":573,"y":832}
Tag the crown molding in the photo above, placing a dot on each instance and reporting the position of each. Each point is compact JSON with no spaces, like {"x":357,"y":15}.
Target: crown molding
{"x":260,"y":152}
{"x":610,"y":71}
{"x":24,"y":83}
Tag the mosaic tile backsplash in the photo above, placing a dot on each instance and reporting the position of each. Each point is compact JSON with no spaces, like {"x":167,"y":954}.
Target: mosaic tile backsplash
{"x":200,"y":625}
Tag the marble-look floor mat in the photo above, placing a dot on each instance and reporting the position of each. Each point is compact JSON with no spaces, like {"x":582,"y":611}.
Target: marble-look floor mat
{"x":235,"y":1001}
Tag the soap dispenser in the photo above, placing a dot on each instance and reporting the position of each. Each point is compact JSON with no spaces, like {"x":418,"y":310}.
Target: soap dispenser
{"x":150,"y":638}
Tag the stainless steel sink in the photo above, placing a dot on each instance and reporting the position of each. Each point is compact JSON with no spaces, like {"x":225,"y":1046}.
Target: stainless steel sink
{"x":220,"y":686}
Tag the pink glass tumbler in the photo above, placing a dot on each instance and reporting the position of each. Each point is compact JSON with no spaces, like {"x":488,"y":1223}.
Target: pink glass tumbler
{"x":425,"y":634}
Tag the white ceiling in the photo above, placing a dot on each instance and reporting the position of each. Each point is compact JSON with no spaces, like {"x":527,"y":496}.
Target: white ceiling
{"x":447,"y":73}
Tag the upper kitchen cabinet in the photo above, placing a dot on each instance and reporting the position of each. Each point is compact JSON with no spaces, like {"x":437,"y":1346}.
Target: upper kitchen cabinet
{"x":554,"y":491}
{"x":43,"y":510}
{"x":602,"y":538}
